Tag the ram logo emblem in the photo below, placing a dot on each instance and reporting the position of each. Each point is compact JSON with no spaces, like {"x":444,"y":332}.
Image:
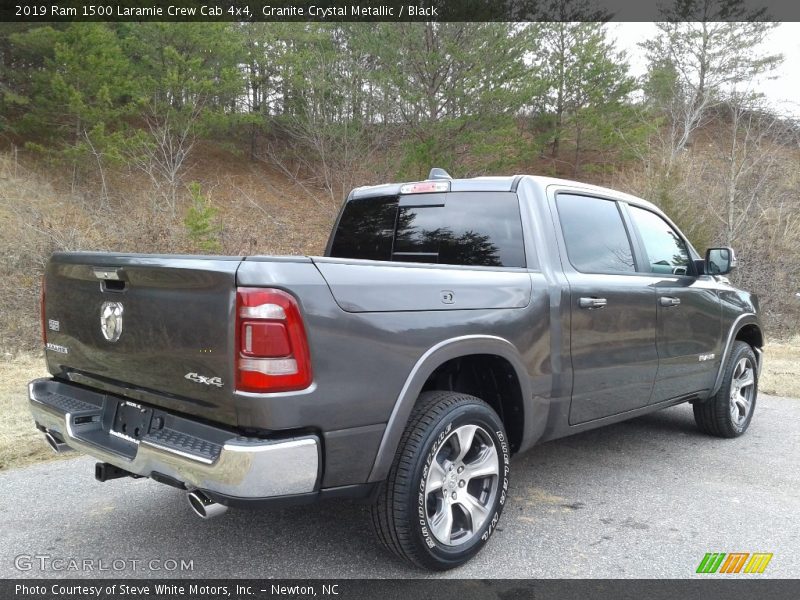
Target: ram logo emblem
{"x":111,"y":320}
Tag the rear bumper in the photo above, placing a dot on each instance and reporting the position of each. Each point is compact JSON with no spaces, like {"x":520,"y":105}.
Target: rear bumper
{"x":197,"y":455}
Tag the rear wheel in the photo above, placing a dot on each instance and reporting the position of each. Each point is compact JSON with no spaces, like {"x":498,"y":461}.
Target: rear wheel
{"x":728,"y":413}
{"x":447,"y":486}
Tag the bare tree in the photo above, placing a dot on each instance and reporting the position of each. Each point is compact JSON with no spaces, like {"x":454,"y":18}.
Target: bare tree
{"x":753,"y":150}
{"x":163,"y":153}
{"x":99,"y":157}
{"x":698,"y":63}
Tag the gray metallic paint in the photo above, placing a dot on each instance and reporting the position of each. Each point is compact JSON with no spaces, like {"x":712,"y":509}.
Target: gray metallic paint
{"x":377,"y":287}
{"x":377,"y":330}
{"x":178,"y":319}
{"x":427,"y":363}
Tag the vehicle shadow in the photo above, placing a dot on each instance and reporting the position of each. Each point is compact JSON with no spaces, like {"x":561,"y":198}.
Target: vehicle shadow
{"x":143,"y":519}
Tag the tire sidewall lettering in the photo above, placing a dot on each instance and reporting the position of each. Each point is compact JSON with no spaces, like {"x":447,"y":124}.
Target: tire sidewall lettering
{"x":503,"y":488}
{"x":421,"y":518}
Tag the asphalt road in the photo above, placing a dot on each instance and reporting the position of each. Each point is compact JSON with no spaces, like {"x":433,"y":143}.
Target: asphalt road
{"x":645,"y":498}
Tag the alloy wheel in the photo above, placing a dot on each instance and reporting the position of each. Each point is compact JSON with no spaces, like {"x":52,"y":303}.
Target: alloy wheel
{"x":742,"y":391}
{"x":461,"y":485}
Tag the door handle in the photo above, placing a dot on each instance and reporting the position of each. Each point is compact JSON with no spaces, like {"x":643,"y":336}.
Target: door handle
{"x":669,"y":301}
{"x":592,"y":302}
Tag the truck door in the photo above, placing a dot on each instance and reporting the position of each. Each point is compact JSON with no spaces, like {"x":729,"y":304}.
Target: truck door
{"x":612,"y":309}
{"x":689,"y":332}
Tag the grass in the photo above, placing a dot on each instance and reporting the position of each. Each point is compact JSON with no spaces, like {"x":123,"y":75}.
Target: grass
{"x":781,"y":374}
{"x":21,"y":444}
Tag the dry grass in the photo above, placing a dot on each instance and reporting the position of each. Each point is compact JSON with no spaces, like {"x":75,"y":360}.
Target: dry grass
{"x":259,"y":212}
{"x":20,"y":443}
{"x":781,"y":374}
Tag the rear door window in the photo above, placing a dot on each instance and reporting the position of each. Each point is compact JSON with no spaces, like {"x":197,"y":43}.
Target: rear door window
{"x":595,"y":235}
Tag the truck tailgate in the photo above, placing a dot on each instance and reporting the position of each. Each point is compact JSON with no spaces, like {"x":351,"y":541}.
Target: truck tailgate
{"x":154,"y":328}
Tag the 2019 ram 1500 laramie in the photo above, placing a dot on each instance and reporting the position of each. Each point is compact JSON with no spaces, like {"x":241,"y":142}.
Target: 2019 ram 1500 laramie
{"x":450,"y":324}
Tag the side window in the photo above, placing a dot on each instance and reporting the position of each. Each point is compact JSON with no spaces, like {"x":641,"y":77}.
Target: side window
{"x":595,"y":235}
{"x":666,"y":251}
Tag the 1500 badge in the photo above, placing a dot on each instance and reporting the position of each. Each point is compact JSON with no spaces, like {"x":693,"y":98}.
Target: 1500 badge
{"x":217,"y":381}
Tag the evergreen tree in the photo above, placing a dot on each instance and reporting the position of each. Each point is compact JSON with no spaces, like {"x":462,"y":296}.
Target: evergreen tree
{"x":588,"y":88}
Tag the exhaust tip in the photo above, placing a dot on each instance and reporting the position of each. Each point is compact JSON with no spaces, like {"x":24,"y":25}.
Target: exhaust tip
{"x":56,"y":443}
{"x":203,"y":506}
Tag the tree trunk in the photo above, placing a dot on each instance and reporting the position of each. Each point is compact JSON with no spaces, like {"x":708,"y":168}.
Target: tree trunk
{"x":559,"y":94}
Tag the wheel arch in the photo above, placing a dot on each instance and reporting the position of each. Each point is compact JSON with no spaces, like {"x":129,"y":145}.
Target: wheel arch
{"x":745,"y":328}
{"x":436,"y":360}
{"x":752,"y":334}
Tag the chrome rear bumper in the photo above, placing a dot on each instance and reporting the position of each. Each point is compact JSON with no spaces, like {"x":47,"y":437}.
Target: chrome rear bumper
{"x":236,"y":467}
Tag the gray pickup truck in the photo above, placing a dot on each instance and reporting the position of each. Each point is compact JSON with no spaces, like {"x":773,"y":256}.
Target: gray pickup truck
{"x":450,"y":324}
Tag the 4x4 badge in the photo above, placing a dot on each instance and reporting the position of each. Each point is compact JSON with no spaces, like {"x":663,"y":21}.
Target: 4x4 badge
{"x":217,"y":381}
{"x":111,"y":320}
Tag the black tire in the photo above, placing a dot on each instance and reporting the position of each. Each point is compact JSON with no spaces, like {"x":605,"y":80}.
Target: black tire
{"x":401,"y":514}
{"x":715,"y":416}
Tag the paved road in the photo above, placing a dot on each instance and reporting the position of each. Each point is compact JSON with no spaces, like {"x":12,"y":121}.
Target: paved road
{"x":646,"y":498}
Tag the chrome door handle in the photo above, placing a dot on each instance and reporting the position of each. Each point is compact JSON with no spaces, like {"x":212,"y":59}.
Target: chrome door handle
{"x":592,"y":302}
{"x":669,"y":301}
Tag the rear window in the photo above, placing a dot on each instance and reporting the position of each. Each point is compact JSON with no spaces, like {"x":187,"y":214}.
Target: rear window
{"x":468,"y":228}
{"x":366,"y":229}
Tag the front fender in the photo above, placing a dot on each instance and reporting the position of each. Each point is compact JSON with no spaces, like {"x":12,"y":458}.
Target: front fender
{"x":737,"y":325}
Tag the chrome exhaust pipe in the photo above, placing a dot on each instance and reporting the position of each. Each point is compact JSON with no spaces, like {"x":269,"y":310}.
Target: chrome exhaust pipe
{"x":203,"y":506}
{"x":55,"y":442}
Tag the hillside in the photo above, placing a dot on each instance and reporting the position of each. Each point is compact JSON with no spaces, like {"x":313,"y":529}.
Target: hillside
{"x":243,"y":138}
{"x":257,"y":211}
{"x":226,"y":203}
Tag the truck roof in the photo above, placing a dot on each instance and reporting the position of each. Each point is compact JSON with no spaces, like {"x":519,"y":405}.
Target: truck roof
{"x":506,"y":183}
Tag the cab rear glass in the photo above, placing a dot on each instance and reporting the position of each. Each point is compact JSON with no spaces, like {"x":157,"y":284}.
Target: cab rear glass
{"x":455,"y":228}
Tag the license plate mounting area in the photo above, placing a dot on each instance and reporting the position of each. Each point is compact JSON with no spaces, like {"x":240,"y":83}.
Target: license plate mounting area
{"x":132,"y":421}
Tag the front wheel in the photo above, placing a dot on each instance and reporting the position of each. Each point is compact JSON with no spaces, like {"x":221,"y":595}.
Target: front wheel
{"x":728,"y":413}
{"x":447,"y":486}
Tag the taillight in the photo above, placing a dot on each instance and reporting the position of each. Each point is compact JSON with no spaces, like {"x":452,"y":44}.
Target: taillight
{"x":271,"y":346}
{"x":41,"y":313}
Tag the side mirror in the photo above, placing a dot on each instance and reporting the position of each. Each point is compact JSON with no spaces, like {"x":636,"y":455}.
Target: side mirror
{"x":720,"y":261}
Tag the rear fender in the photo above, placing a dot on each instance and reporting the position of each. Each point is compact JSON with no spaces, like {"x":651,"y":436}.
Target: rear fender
{"x":426,"y":365}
